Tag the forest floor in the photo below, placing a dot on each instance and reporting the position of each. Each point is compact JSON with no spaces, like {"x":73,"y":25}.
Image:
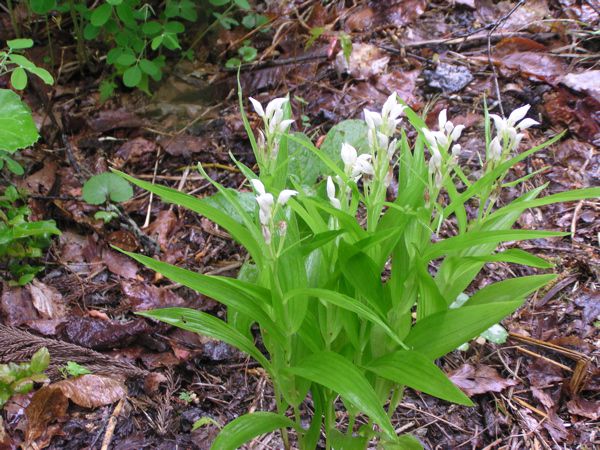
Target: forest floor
{"x":539,"y":390}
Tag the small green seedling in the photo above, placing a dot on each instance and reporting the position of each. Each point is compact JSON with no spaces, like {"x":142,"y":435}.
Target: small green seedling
{"x":20,"y":378}
{"x":105,"y":188}
{"x":72,"y":369}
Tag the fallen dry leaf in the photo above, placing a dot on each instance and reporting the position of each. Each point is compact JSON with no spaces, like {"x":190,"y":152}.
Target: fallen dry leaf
{"x":366,"y":61}
{"x":584,"y":408}
{"x":162,"y":227}
{"x":91,"y":391}
{"x":587,"y":82}
{"x":16,"y":305}
{"x":47,"y":405}
{"x":47,"y":300}
{"x":120,"y":264}
{"x":103,"y":334}
{"x":479,"y":380}
{"x":143,"y":296}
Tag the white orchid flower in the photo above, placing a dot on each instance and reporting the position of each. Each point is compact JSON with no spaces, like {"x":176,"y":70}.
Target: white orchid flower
{"x":495,"y":150}
{"x":285,"y":195}
{"x":507,"y":128}
{"x":349,"y":155}
{"x":335,"y":202}
{"x":275,"y":106}
{"x":391,"y":150}
{"x":363,"y":166}
{"x":373,"y":119}
{"x":257,"y":107}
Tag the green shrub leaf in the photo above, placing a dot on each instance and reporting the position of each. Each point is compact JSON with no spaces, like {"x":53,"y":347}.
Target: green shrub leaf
{"x":17,"y":128}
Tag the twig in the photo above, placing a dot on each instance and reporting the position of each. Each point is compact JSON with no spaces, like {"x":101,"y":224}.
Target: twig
{"x":112,"y":423}
{"x":489,"y":51}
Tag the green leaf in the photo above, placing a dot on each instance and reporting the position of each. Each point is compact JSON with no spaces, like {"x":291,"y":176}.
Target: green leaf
{"x":151,"y":28}
{"x":13,"y":165}
{"x":247,"y":53}
{"x":514,"y":256}
{"x":126,"y":59}
{"x":42,"y":73}
{"x":241,"y":430}
{"x":150,"y":68}
{"x":239,"y":232}
{"x":19,"y":44}
{"x":132,"y":76}
{"x":101,"y":14}
{"x":243,"y":4}
{"x":104,"y":186}
{"x":40,"y":360}
{"x":203,"y":323}
{"x":42,"y":6}
{"x":347,"y":303}
{"x":507,"y":290}
{"x":353,"y":132}
{"x":75,"y":370}
{"x":18,"y":78}
{"x":417,"y":371}
{"x":219,"y":2}
{"x":567,"y":196}
{"x":17,"y":128}
{"x":341,"y":376}
{"x":475,"y":238}
{"x":442,"y":332}
{"x":228,"y":291}
{"x":404,"y":442}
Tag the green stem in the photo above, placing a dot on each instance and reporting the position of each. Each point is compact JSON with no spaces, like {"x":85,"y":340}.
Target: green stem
{"x":13,"y":20}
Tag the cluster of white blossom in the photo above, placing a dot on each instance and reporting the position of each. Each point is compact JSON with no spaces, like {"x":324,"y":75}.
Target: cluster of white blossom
{"x":508,"y":136}
{"x":267,"y":208}
{"x":439,"y":143}
{"x":275,"y":125}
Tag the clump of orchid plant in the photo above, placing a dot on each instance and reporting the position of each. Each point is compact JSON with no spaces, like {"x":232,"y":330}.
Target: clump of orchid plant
{"x":343,"y":313}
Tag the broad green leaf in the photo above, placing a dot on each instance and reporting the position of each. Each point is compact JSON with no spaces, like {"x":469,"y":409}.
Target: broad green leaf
{"x":228,"y":291}
{"x":443,"y":332}
{"x":363,"y":274}
{"x":514,"y":256}
{"x":101,"y":14}
{"x":19,"y":44}
{"x":353,"y":132}
{"x":246,"y":200}
{"x":475,"y":238}
{"x":42,"y":7}
{"x":507,"y":290}
{"x":304,"y":164}
{"x":203,"y":323}
{"x":343,"y":441}
{"x":238,"y":232}
{"x":412,"y":369}
{"x":341,"y":376}
{"x":43,"y":74}
{"x":18,"y":78}
{"x":104,"y":187}
{"x":246,"y":427}
{"x":39,"y":228}
{"x":567,"y":196}
{"x":132,"y":76}
{"x":404,"y":442}
{"x":347,"y":303}
{"x":40,"y":360}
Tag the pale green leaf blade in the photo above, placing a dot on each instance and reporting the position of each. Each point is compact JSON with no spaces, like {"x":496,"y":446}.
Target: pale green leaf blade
{"x":246,"y":427}
{"x":418,"y":372}
{"x":17,"y":128}
{"x":507,"y":290}
{"x":340,"y":375}
{"x":203,"y":323}
{"x":443,"y":332}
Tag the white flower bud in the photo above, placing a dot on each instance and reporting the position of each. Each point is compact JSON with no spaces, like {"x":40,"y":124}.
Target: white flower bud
{"x":526,"y":123}
{"x":257,"y":107}
{"x":456,"y":132}
{"x":348,"y":154}
{"x":517,"y":115}
{"x":274,"y":106}
{"x":285,"y":195}
{"x":495,"y":150}
{"x":258,"y":186}
{"x":331,"y":194}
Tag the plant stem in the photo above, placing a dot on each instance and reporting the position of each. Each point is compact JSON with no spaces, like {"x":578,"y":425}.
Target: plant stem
{"x":13,"y":20}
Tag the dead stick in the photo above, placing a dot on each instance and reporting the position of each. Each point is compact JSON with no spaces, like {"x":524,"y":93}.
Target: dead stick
{"x":112,"y":423}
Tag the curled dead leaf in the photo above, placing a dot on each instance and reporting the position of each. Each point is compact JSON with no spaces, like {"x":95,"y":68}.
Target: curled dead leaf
{"x":91,"y":391}
{"x":479,"y":380}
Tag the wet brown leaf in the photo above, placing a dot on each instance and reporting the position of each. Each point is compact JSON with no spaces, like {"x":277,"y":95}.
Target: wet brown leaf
{"x":42,"y":181}
{"x":587,"y":82}
{"x":102,"y":334}
{"x":91,"y":391}
{"x":579,"y":114}
{"x":143,"y":297}
{"x":47,"y":405}
{"x":124,"y":239}
{"x":113,"y":119}
{"x":47,"y":300}
{"x":541,"y":373}
{"x":137,"y":149}
{"x":360,"y":20}
{"x":163,"y":227}
{"x":120,"y":264}
{"x":184,"y":145}
{"x":584,"y":408}
{"x":16,"y":305}
{"x":479,"y":379}
{"x":582,"y":10}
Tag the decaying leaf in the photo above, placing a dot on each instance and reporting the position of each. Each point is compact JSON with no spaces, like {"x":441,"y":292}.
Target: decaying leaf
{"x":91,"y":391}
{"x":47,"y":405}
{"x":479,"y":379}
{"x":47,"y":300}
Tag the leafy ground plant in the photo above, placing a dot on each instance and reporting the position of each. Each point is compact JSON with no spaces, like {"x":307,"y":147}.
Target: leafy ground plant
{"x":20,"y":378}
{"x":354,"y":296}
